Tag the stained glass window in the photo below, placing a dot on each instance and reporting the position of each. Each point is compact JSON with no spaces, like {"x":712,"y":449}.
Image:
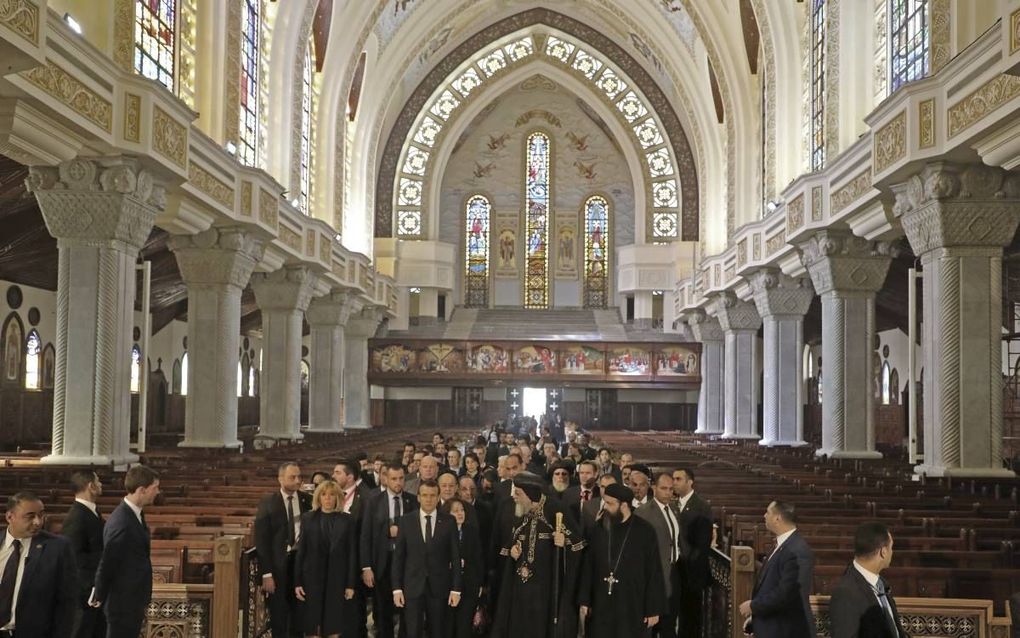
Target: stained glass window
{"x":33,"y":348}
{"x":251,"y":24}
{"x":596,"y":252}
{"x":817,"y":134}
{"x":136,"y":369}
{"x":910,"y":31}
{"x":155,"y":40}
{"x":536,"y":196}
{"x":476,"y":250}
{"x":306,"y":131}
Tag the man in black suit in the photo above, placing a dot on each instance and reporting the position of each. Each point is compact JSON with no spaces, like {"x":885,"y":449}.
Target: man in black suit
{"x":277,"y":530}
{"x":779,"y":606}
{"x":378,"y":540}
{"x":862,"y":605}
{"x":695,"y":547}
{"x":662,"y":514}
{"x":426,"y":567}
{"x":345,"y":473}
{"x":38,"y":586}
{"x":123,"y":585}
{"x":587,"y":489}
{"x":83,"y":528}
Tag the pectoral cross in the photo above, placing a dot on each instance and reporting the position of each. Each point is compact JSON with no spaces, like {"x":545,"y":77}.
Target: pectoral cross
{"x":612,"y":581}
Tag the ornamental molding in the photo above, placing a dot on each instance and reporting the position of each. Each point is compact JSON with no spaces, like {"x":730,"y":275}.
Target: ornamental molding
{"x":289,"y":288}
{"x":890,"y":142}
{"x":850,"y":192}
{"x":816,"y":204}
{"x":124,"y":34}
{"x":775,"y":243}
{"x":269,"y":210}
{"x":291,"y":239}
{"x":982,"y":101}
{"x":841,"y":262}
{"x":132,"y":117}
{"x":211,"y":185}
{"x":21,"y":17}
{"x":67,"y":90}
{"x":795,"y":214}
{"x":778,"y":294}
{"x":941,"y":34}
{"x":224,"y":256}
{"x":926,"y":123}
{"x":169,"y":137}
{"x":733,"y":313}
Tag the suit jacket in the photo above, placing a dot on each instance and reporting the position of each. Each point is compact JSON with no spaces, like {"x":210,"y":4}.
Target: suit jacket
{"x":432,"y":568}
{"x":652,"y":512}
{"x":375,"y":543}
{"x":779,"y":604}
{"x":84,"y":530}
{"x":124,"y":576}
{"x":48,"y":598}
{"x":271,"y":535}
{"x":695,"y":543}
{"x":572,"y":500}
{"x":854,"y":610}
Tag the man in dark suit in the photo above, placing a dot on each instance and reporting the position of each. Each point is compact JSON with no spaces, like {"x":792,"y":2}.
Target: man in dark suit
{"x":587,"y":489}
{"x":779,"y":606}
{"x":426,"y":568}
{"x":862,"y":605}
{"x":83,"y":528}
{"x":356,"y":496}
{"x":38,"y":585}
{"x":378,"y":540}
{"x":695,"y":547}
{"x":124,"y":577}
{"x":664,"y":518}
{"x":277,"y":530}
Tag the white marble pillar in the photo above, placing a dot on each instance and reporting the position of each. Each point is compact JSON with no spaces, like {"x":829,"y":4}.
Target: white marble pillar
{"x":712,"y":396}
{"x":740,"y":322}
{"x":283,"y":296}
{"x":643,"y":309}
{"x":847,"y":271}
{"x":782,"y":302}
{"x":958,"y":219}
{"x":216,"y":265}
{"x":359,"y":329}
{"x":100,"y":211}
{"x":326,"y":316}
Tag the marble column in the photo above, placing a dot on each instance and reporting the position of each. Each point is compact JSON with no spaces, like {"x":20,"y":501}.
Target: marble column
{"x":100,"y":211}
{"x":740,"y":322}
{"x":283,"y":296}
{"x":847,"y":271}
{"x":360,"y":328}
{"x":327,"y":316}
{"x":712,"y":396}
{"x":958,"y":219}
{"x":216,"y":265}
{"x":782,"y":302}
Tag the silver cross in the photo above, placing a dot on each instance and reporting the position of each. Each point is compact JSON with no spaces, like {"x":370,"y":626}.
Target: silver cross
{"x":553,"y":406}
{"x":514,"y":393}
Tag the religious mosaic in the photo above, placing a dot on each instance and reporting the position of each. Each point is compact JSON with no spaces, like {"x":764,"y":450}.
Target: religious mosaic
{"x":489,"y":359}
{"x":676,"y":362}
{"x":441,"y":357}
{"x":582,"y":360}
{"x":394,"y":358}
{"x":535,"y":360}
{"x":629,"y":361}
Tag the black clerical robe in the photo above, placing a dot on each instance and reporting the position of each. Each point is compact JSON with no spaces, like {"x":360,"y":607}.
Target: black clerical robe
{"x":626,"y":554}
{"x":528,"y":597}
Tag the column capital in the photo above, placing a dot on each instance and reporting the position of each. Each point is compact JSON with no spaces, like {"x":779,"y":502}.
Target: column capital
{"x":704,"y":326}
{"x":289,"y":288}
{"x":98,"y":201}
{"x":332,"y":309}
{"x":734,"y":314}
{"x":839,"y":261}
{"x":363,"y":324}
{"x":958,"y":205}
{"x":779,"y":294}
{"x":217,"y":256}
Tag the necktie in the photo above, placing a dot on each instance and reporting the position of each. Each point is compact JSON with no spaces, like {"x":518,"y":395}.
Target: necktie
{"x":396,"y":507}
{"x":586,"y":495}
{"x":290,"y":521}
{"x":7,"y":582}
{"x":883,"y":599}
{"x":428,"y":528}
{"x":672,"y":533}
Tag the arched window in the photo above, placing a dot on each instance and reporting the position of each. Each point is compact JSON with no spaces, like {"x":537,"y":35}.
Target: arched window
{"x":243,"y":372}
{"x":596,"y":252}
{"x":305,"y":374}
{"x":817,"y":79}
{"x":809,"y":363}
{"x":886,"y":390}
{"x":909,"y":41}
{"x":156,"y":40}
{"x":33,"y":347}
{"x":306,"y":130}
{"x":251,"y":25}
{"x":175,"y":377}
{"x":184,"y":375}
{"x":536,"y":223}
{"x":894,"y":387}
{"x":136,"y":369}
{"x":476,"y":251}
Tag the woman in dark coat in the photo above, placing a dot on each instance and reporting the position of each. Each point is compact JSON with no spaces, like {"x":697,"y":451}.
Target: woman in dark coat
{"x":326,"y":566}
{"x":473,"y":566}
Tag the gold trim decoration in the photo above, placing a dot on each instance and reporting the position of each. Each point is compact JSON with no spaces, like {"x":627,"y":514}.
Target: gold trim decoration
{"x":73,"y":94}
{"x":742,"y":253}
{"x":21,"y":17}
{"x":291,"y":239}
{"x":941,"y":40}
{"x":132,"y":117}
{"x":310,"y":242}
{"x":269,"y":210}
{"x":246,"y":198}
{"x":926,"y":123}
{"x":816,"y":204}
{"x":850,"y":191}
{"x":124,"y":34}
{"x":232,"y":74}
{"x":1014,"y":32}
{"x":890,"y":142}
{"x":169,"y":137}
{"x":775,"y":243}
{"x":795,"y":213}
{"x":209,"y":184}
{"x":990,"y":96}
{"x":325,"y":248}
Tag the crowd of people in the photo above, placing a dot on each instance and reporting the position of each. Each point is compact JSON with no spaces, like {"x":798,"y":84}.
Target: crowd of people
{"x":503,"y":536}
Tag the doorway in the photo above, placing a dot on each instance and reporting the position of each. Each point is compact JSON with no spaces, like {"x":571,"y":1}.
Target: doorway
{"x":534,"y":403}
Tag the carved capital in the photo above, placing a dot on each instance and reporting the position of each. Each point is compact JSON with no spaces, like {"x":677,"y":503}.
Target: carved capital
{"x":289,"y":288}
{"x":363,"y":324}
{"x":843,"y":262}
{"x":217,"y":256}
{"x":704,"y":326}
{"x":958,"y":205}
{"x":734,"y":314}
{"x":779,"y":294}
{"x":332,"y":309}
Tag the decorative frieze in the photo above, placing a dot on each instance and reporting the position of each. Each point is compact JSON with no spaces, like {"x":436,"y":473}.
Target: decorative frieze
{"x":325,"y":248}
{"x":742,"y":253}
{"x":206,"y":182}
{"x":132,"y":117}
{"x":67,"y":90}
{"x":890,"y":142}
{"x":291,"y":239}
{"x":21,"y":17}
{"x":169,"y":137}
{"x":816,"y":204}
{"x":246,"y":200}
{"x":941,"y":30}
{"x":310,"y":243}
{"x":269,"y":209}
{"x":990,"y":96}
{"x":926,"y":123}
{"x":775,"y":243}
{"x":795,"y":214}
{"x":850,"y":192}
{"x":124,"y":34}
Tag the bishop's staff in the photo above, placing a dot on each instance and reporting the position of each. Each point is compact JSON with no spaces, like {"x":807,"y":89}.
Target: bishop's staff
{"x":561,"y":566}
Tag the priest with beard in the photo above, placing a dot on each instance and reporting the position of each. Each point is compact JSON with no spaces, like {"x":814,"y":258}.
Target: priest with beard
{"x":537,"y":594}
{"x":621,"y":580}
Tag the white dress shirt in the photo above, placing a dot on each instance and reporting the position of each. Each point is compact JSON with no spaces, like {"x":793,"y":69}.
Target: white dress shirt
{"x":295,"y":510}
{"x":872,"y":579}
{"x":673,"y":525}
{"x":421,"y":522}
{"x":5,"y":555}
{"x":684,"y":500}
{"x":636,"y":503}
{"x":394,"y":513}
{"x":134,"y":508}
{"x":88,"y":504}
{"x":779,"y":542}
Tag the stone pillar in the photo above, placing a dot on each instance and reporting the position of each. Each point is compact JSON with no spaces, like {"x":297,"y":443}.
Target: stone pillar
{"x":782,"y":302}
{"x":100,"y":211}
{"x":326,"y":316}
{"x":428,"y":306}
{"x":283,"y":297}
{"x":360,"y":327}
{"x":216,"y":265}
{"x":643,"y":314}
{"x":958,"y":219}
{"x":712,"y":396}
{"x":847,"y":271}
{"x":740,"y":322}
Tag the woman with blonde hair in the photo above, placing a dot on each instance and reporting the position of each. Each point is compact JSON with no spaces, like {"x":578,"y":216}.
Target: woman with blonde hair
{"x":326,"y":569}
